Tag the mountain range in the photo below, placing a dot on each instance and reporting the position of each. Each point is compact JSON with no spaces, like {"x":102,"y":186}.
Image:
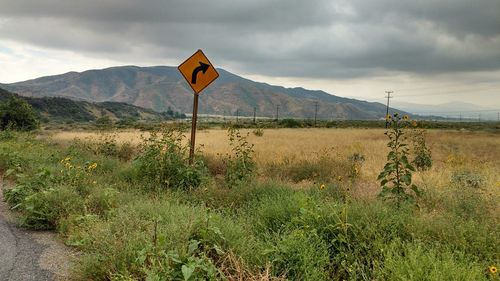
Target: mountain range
{"x":451,"y":109}
{"x":162,"y":88}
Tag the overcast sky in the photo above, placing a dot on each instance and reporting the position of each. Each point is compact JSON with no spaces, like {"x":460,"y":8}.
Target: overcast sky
{"x":427,"y":51}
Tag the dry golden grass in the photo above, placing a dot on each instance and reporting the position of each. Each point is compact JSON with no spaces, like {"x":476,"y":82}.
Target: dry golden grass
{"x":451,"y":150}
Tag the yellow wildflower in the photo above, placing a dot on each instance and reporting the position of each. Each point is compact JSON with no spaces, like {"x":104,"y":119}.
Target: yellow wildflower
{"x":67,"y":158}
{"x":406,"y":117}
{"x":321,"y":187}
{"x":388,"y":117}
{"x":339,"y":178}
{"x":414,"y":123}
{"x":492,"y":269}
{"x":92,"y":166}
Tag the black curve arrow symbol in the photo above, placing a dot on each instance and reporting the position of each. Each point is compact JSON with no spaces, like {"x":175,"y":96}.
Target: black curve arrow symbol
{"x":203,"y":67}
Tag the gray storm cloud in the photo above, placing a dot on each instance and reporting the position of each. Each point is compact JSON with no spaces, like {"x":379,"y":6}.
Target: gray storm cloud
{"x":316,"y":39}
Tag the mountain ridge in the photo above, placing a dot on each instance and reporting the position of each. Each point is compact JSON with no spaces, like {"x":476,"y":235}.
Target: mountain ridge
{"x":162,"y":87}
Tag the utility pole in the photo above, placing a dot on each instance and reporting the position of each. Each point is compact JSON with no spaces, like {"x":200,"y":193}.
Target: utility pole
{"x":387,"y":109}
{"x":237,"y":114}
{"x":277,"y":112}
{"x":316,"y":105}
{"x":254,"y":113}
{"x":498,"y":116}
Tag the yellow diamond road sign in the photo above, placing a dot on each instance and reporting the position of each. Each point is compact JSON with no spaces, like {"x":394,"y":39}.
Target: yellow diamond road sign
{"x":198,"y":71}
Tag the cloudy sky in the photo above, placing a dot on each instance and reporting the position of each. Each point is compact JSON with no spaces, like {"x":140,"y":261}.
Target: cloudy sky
{"x":426,"y":51}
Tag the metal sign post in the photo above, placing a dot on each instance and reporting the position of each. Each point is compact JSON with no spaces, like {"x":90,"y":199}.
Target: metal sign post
{"x":199,"y":73}
{"x":193,"y":127}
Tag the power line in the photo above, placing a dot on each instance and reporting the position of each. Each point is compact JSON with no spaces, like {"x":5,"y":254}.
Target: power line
{"x":387,"y":108}
{"x":316,"y":105}
{"x":458,"y":111}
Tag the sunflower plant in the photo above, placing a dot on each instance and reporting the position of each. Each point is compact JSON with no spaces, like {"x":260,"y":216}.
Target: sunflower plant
{"x":396,"y":177}
{"x":422,"y":153}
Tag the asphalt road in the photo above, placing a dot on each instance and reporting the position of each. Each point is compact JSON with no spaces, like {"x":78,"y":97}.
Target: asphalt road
{"x":19,"y":255}
{"x":19,"y":251}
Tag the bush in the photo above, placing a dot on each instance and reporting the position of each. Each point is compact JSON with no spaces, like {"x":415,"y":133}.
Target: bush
{"x":240,"y":166}
{"x":467,"y":178}
{"x":164,"y":161}
{"x":290,"y":123}
{"x":259,"y":132}
{"x":17,"y":114}
{"x":422,"y":154}
{"x":105,"y":145}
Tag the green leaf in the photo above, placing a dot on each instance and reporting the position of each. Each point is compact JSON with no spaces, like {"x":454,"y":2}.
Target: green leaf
{"x":187,"y":271}
{"x":406,"y":179}
{"x":416,"y":190}
{"x":193,"y":246}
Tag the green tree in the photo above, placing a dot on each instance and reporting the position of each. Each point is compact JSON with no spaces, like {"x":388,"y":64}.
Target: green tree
{"x":17,"y":114}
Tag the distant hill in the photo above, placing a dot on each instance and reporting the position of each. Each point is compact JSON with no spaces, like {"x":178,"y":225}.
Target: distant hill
{"x":450,"y":109}
{"x":64,"y":109}
{"x":162,"y":87}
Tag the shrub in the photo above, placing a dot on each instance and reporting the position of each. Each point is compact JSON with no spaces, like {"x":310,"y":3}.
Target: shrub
{"x":422,"y":154}
{"x":44,"y":209}
{"x":240,"y":165}
{"x":290,"y":123}
{"x":26,"y":186}
{"x":104,"y":122}
{"x":259,"y":132}
{"x":164,"y":161}
{"x":356,"y":159}
{"x":17,"y":114}
{"x":467,"y":178}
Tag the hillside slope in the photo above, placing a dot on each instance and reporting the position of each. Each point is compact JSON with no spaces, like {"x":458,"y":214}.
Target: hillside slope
{"x":64,"y":109}
{"x":162,"y":87}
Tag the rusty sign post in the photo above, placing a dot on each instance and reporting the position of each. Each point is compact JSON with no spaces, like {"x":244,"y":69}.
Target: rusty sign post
{"x":199,"y":73}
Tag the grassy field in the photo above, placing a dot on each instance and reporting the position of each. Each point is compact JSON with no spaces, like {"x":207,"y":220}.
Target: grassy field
{"x":302,"y":206}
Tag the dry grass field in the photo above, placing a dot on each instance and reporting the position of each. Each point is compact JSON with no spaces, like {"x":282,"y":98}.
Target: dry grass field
{"x":451,"y":149}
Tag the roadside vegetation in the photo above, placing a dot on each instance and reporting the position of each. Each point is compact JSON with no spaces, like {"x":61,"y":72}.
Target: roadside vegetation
{"x":137,"y":211}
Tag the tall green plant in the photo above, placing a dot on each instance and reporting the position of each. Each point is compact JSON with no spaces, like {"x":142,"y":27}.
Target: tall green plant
{"x":164,"y":161}
{"x":240,"y":165}
{"x":396,"y":177}
{"x":422,"y":154}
